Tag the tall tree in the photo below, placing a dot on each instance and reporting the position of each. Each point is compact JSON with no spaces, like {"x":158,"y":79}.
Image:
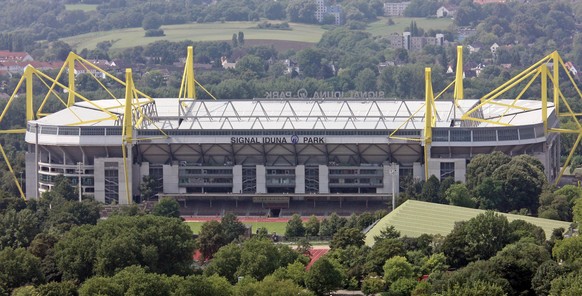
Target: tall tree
{"x":295,"y":227}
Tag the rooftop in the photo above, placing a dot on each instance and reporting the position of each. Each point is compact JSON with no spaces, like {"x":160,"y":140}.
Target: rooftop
{"x":295,"y":114}
{"x":414,"y":218}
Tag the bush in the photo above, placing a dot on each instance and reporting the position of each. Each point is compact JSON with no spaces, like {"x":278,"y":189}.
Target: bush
{"x":154,"y":33}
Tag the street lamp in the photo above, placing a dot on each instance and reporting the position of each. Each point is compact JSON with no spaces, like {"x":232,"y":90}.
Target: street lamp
{"x":393,"y":170}
{"x":79,"y":182}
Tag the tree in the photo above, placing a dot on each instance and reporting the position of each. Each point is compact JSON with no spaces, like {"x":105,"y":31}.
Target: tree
{"x":241,"y":38}
{"x":366,"y":80}
{"x":302,"y":11}
{"x":347,"y":237}
{"x":251,"y":65}
{"x":275,"y":11}
{"x":483,"y":166}
{"x":381,"y":251}
{"x":295,"y":227}
{"x":232,"y":227}
{"x":270,"y":286}
{"x":373,"y":285}
{"x":152,"y":21}
{"x":569,"y":250}
{"x":17,"y":229}
{"x":163,"y":245}
{"x":477,"y":239}
{"x":260,"y":257}
{"x":18,"y":268}
{"x":66,"y":288}
{"x":389,"y":232}
{"x":225,"y":262}
{"x":210,"y":239}
{"x":167,"y":207}
{"x":519,"y":262}
{"x":234,"y":40}
{"x":545,"y":274}
{"x":397,"y":267}
{"x":323,"y":277}
{"x":101,"y":286}
{"x":522,"y":181}
{"x":201,"y":285}
{"x":430,"y":190}
{"x":312,"y":226}
{"x":476,"y":288}
{"x":569,"y":285}
{"x":309,"y":61}
{"x":458,"y":195}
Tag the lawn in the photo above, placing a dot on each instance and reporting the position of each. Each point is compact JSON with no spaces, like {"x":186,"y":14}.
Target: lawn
{"x":132,"y":37}
{"x":83,"y":7}
{"x":381,"y":28}
{"x":277,"y":227}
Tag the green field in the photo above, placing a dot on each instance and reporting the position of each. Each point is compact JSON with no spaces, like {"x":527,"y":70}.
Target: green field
{"x":381,"y":28}
{"x":132,"y":37}
{"x":272,"y":227}
{"x":83,"y":7}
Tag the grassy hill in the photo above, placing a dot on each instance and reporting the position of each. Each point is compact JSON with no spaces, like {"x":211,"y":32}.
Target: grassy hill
{"x":299,"y":36}
{"x":197,"y":32}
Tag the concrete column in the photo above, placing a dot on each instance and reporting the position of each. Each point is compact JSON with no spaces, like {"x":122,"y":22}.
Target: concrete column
{"x":261,"y":179}
{"x":31,"y":181}
{"x":237,"y":180}
{"x":171,"y":177}
{"x":460,"y":170}
{"x":300,"y":179}
{"x":434,"y":167}
{"x":99,"y":179}
{"x":323,"y":179}
{"x":418,"y":171}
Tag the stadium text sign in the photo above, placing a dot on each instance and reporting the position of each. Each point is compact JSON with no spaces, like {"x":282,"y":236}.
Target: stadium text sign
{"x":277,"y":140}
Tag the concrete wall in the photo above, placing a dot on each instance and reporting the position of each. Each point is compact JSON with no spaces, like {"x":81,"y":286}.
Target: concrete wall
{"x":99,"y":170}
{"x":418,"y":171}
{"x":171,"y":178}
{"x":31,"y":190}
{"x":300,"y":179}
{"x":237,"y":180}
{"x":391,"y":172}
{"x":261,"y":179}
{"x":323,"y":179}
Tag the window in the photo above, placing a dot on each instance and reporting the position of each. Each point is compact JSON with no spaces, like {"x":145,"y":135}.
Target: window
{"x":447,"y":170}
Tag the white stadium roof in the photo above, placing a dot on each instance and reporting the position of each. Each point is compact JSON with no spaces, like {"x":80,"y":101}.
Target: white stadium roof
{"x":297,"y":114}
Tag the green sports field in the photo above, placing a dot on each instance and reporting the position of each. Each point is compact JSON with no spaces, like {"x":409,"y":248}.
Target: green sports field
{"x":272,"y":227}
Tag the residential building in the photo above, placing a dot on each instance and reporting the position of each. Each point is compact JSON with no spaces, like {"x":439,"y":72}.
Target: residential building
{"x":323,"y":9}
{"x":395,"y":9}
{"x":446,"y":11}
{"x":6,"y":56}
{"x":408,"y":42}
{"x":481,"y":2}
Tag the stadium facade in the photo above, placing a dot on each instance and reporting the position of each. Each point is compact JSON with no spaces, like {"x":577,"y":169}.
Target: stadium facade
{"x":277,"y":151}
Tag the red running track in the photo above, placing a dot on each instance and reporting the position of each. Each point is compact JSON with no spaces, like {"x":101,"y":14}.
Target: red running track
{"x":241,"y":219}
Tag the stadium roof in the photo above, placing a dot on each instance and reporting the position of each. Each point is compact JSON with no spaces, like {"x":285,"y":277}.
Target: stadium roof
{"x":414,"y":218}
{"x":297,"y":114}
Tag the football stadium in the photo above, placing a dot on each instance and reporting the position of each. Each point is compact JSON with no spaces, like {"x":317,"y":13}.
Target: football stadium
{"x":310,"y":154}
